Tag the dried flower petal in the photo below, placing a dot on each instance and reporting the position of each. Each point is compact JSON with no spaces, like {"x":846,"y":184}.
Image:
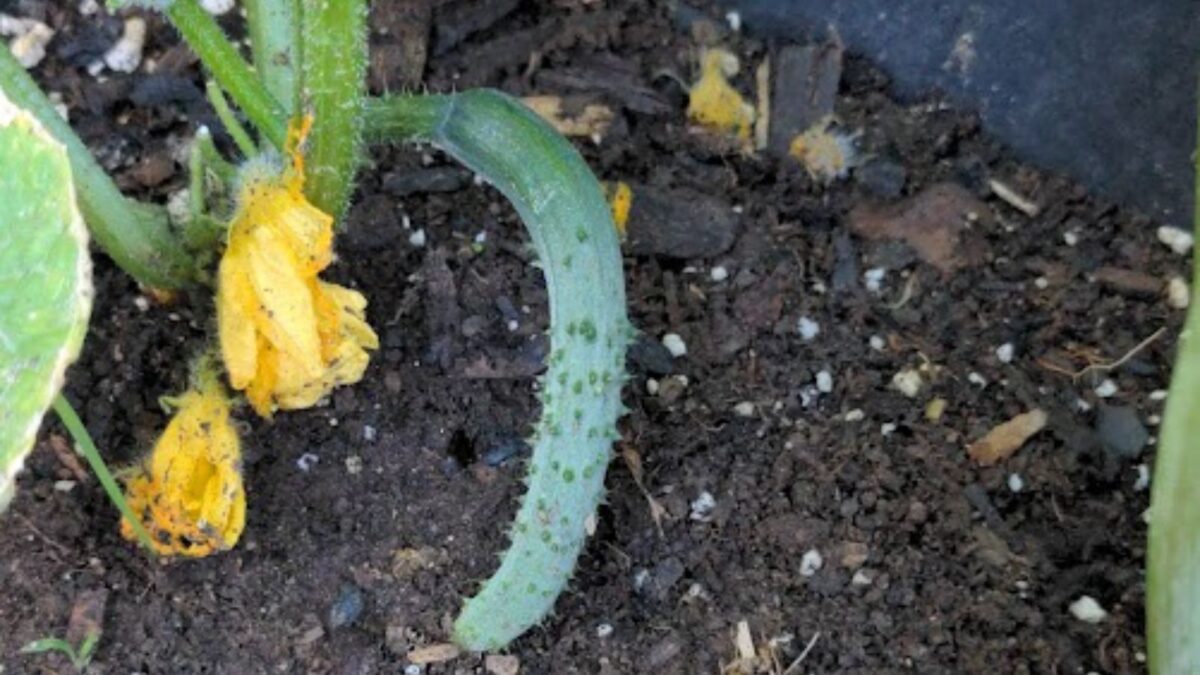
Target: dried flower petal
{"x":713,"y":102}
{"x":287,"y":337}
{"x":189,"y":493}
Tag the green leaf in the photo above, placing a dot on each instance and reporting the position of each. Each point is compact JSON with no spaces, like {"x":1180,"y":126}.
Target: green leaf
{"x":45,"y":282}
{"x":50,"y":645}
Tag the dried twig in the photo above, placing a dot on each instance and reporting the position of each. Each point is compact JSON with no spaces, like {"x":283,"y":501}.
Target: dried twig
{"x":1103,"y":367}
{"x":803,"y":655}
{"x":1013,"y":199}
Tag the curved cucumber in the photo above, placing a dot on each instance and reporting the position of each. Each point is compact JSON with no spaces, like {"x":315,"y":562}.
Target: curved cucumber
{"x":45,"y":282}
{"x":571,"y":225}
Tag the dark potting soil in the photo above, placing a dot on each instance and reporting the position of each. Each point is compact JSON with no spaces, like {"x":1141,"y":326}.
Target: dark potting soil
{"x":828,"y":512}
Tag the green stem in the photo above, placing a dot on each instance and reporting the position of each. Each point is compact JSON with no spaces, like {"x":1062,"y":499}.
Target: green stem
{"x":571,"y":226}
{"x":88,"y":449}
{"x":229,"y":69}
{"x":404,"y":117}
{"x":226,"y":172}
{"x":334,"y":35}
{"x":1173,"y":557}
{"x":224,"y":113}
{"x":274,"y":28}
{"x":203,"y":232}
{"x":136,"y":236}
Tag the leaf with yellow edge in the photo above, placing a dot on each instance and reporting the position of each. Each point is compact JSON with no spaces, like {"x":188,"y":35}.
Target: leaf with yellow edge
{"x":45,"y":282}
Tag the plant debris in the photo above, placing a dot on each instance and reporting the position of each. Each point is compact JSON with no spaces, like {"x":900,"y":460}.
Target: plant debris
{"x":1005,"y":439}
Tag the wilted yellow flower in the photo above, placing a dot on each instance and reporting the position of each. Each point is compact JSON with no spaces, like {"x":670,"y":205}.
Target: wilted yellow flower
{"x":287,"y":337}
{"x":620,"y":200}
{"x":825,"y":152}
{"x":713,"y":102}
{"x":189,"y":492}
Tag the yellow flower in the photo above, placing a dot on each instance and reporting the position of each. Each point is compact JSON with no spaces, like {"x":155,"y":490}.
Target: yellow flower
{"x":287,"y":337}
{"x":713,"y":102}
{"x":189,"y":492}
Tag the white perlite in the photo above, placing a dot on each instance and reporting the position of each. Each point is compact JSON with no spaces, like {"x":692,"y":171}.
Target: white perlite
{"x":908,"y":382}
{"x":1015,"y":482}
{"x":718,"y":274}
{"x":126,"y":55}
{"x":216,"y":7}
{"x":876,"y":343}
{"x":417,"y":238}
{"x":1178,"y":294}
{"x":675,"y":344}
{"x":811,"y":562}
{"x":744,"y":409}
{"x":307,"y":461}
{"x":1005,"y":352}
{"x":873,"y":278}
{"x":1143,"y":478}
{"x":1106,"y":389}
{"x":29,"y":39}
{"x":1179,"y":241}
{"x":824,"y":382}
{"x":1086,"y":609}
{"x":703,"y":506}
{"x":808,"y":328}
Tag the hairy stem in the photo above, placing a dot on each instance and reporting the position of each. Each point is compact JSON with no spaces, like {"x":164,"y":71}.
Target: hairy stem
{"x":334,"y":70}
{"x":237,"y":132}
{"x":136,"y":236}
{"x":571,"y":226}
{"x":229,"y":69}
{"x":274,"y":27}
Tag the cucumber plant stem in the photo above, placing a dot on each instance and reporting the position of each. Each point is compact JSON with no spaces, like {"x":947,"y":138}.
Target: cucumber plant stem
{"x":229,"y":69}
{"x":274,"y":28}
{"x":334,"y":35}
{"x":136,"y":236}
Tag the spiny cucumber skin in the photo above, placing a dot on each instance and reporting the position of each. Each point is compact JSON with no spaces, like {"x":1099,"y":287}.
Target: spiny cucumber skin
{"x":571,"y":226}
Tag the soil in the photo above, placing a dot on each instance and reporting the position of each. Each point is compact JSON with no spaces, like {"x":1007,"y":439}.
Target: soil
{"x":930,"y":562}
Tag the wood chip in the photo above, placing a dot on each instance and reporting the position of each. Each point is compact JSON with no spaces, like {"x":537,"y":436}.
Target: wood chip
{"x":434,"y":653}
{"x":498,"y":664}
{"x":1005,"y":439}
{"x":745,"y":641}
{"x":938,"y":223}
{"x":590,"y":120}
{"x":87,"y":616}
{"x":633,"y":461}
{"x":1013,"y":199}
{"x":67,"y":457}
